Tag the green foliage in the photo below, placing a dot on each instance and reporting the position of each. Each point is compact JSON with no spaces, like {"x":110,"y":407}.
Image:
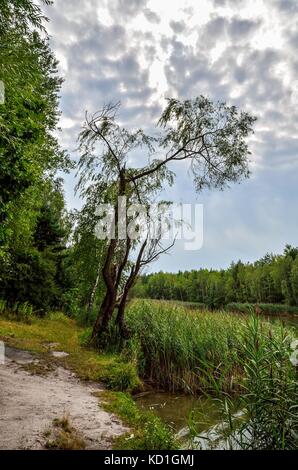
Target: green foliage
{"x":217,"y":133}
{"x":29,"y":115}
{"x":122,"y":376}
{"x":33,"y":228}
{"x":35,"y":267}
{"x":156,"y":436}
{"x":270,"y":280}
{"x":2,"y":306}
{"x":22,"y":14}
{"x":268,"y":399}
{"x":70,"y":303}
{"x":86,"y":255}
{"x":18,"y":311}
{"x":84,"y":337}
{"x":172,"y":347}
{"x":175,"y":346}
{"x":270,"y":392}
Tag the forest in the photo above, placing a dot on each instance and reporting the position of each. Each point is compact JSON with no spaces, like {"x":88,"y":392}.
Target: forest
{"x":271,"y":280}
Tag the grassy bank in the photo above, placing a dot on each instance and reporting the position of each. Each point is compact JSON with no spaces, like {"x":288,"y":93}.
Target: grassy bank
{"x":149,"y":432}
{"x":38,"y":335}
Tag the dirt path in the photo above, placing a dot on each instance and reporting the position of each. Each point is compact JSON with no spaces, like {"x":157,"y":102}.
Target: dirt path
{"x":29,"y":403}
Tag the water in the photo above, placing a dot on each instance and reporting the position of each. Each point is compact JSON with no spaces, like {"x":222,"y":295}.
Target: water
{"x":175,"y":409}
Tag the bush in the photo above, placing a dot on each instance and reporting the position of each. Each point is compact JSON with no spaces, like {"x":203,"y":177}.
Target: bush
{"x":2,"y":306}
{"x":155,"y":435}
{"x":70,"y":302}
{"x":19,"y":311}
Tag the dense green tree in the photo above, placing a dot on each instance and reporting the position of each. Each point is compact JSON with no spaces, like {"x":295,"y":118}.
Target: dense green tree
{"x":34,"y":268}
{"x":29,"y":114}
{"x":33,"y":227}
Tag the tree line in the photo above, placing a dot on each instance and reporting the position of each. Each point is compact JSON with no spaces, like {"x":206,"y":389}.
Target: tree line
{"x":272,"y":279}
{"x":34,"y":225}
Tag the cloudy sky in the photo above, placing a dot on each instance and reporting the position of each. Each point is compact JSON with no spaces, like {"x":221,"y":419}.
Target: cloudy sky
{"x":243,"y":52}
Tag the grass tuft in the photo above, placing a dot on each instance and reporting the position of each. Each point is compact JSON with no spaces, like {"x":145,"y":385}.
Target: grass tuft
{"x":63,"y":436}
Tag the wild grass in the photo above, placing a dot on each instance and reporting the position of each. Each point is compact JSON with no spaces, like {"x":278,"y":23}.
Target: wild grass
{"x":176,"y":346}
{"x":19,"y":311}
{"x":63,"y":436}
{"x":147,"y":432}
{"x":268,"y":401}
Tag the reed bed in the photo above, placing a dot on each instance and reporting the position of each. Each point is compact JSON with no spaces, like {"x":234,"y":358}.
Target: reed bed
{"x":190,"y":351}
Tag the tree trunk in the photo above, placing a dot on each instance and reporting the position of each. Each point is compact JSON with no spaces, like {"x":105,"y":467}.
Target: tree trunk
{"x":93,"y":292}
{"x":120,"y":316}
{"x":129,"y":284}
{"x":106,"y":308}
{"x":111,"y":275}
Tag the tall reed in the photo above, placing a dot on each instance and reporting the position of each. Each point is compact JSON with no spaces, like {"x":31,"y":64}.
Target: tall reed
{"x":268,"y":401}
{"x":177,"y":346}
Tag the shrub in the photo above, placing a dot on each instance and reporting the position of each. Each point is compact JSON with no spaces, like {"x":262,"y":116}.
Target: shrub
{"x":2,"y":306}
{"x":19,"y":311}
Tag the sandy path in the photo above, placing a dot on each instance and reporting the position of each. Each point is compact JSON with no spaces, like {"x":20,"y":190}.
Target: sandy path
{"x":29,"y":403}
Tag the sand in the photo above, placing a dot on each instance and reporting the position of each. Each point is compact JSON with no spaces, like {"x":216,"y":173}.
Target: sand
{"x":29,"y":403}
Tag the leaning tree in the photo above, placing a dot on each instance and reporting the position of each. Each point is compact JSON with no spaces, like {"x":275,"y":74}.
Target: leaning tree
{"x":211,"y":137}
